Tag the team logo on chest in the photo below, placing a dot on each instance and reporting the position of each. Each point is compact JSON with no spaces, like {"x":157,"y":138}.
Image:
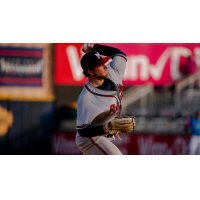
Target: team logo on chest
{"x":114,"y":109}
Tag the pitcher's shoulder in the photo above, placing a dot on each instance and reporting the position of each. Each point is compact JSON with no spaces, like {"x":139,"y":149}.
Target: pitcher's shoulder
{"x":83,"y":98}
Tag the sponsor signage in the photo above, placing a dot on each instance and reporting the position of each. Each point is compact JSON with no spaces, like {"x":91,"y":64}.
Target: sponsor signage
{"x":151,"y":144}
{"x":132,"y":144}
{"x":21,"y":66}
{"x":6,"y":120}
{"x":26,"y":71}
{"x":158,"y":64}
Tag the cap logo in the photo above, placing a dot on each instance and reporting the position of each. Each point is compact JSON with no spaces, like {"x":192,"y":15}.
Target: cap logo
{"x":98,"y":55}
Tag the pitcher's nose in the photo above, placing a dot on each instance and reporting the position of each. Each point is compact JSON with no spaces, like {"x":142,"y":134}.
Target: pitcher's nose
{"x":105,"y":66}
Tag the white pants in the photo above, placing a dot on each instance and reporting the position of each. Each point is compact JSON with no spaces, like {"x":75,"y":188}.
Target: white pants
{"x":195,"y":145}
{"x":98,"y":145}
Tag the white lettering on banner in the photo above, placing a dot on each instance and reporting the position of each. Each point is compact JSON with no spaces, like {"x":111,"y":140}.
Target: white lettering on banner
{"x":147,"y":146}
{"x":61,"y":145}
{"x":197,"y":56}
{"x":74,"y":63}
{"x":146,"y":69}
{"x":138,"y":66}
{"x":144,"y":145}
{"x":8,"y":67}
{"x":133,"y":64}
{"x":176,"y":53}
{"x":157,"y":69}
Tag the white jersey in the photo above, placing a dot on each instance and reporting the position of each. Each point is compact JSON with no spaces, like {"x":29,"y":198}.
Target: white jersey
{"x":97,"y":107}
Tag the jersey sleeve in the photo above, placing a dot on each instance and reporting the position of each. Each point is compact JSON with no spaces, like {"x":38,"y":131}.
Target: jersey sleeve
{"x":86,"y":112}
{"x":91,"y":131}
{"x":118,"y":64}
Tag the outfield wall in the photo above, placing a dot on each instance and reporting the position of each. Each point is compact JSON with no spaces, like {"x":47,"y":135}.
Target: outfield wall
{"x":63,"y":143}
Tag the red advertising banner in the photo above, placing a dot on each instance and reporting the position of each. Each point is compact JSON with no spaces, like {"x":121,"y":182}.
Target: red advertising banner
{"x":63,"y":143}
{"x":146,"y":144}
{"x":158,"y":64}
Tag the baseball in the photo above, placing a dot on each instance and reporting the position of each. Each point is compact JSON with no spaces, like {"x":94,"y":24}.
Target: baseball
{"x":85,"y":47}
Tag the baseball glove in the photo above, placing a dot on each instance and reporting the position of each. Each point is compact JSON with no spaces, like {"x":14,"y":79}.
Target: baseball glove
{"x":120,"y":125}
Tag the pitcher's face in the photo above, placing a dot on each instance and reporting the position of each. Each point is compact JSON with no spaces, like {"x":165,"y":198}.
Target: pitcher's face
{"x":100,"y":72}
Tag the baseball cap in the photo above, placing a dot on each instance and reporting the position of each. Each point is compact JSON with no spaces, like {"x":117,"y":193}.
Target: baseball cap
{"x":93,"y":59}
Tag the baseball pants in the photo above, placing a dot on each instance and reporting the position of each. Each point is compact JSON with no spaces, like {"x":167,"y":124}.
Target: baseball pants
{"x":98,"y":145}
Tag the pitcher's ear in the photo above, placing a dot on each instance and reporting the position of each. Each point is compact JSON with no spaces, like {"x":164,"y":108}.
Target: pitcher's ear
{"x":90,"y":72}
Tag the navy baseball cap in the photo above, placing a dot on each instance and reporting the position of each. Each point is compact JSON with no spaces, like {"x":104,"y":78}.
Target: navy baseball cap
{"x":93,"y":59}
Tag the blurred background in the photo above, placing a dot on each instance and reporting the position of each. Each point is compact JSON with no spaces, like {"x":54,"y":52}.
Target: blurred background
{"x":40,"y":84}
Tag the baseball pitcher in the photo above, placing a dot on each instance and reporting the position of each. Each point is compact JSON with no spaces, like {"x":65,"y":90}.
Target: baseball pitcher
{"x":100,"y":102}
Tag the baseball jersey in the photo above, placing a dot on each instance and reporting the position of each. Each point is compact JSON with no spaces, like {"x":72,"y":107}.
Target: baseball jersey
{"x":97,"y":107}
